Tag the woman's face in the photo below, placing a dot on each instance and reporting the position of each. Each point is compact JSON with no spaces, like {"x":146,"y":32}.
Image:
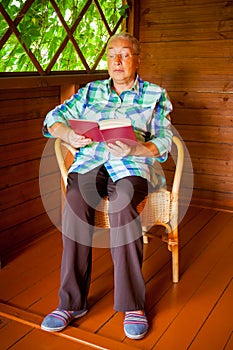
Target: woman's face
{"x":123,"y":62}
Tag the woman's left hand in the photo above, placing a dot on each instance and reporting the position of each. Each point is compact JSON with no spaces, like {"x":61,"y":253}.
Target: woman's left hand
{"x":140,"y":149}
{"x":120,"y":149}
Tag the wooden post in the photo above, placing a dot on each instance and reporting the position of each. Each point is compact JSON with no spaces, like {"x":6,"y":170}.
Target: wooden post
{"x":66,"y":91}
{"x":134,"y":17}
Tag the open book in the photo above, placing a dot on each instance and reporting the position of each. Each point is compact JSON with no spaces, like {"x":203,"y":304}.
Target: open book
{"x":108,"y":130}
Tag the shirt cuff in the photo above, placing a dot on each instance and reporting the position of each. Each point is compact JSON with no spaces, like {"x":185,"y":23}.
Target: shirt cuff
{"x":164,"y":147}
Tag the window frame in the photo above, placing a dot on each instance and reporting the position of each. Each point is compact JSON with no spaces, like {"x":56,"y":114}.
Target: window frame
{"x":42,"y":74}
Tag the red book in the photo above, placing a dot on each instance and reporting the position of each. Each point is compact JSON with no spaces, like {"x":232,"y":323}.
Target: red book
{"x":107,"y":130}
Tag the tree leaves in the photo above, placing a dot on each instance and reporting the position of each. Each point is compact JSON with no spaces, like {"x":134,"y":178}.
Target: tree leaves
{"x":42,"y":32}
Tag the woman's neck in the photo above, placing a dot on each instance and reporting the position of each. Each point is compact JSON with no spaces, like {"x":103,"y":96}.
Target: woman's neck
{"x":119,"y":88}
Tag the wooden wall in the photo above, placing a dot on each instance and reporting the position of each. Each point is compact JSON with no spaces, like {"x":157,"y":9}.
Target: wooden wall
{"x":187,"y":47}
{"x":22,"y":213}
{"x":30,"y":183}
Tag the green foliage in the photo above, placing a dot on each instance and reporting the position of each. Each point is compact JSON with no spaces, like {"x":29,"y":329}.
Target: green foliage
{"x":42,"y":33}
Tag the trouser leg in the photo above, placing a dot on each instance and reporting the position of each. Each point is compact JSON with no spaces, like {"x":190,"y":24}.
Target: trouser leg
{"x":78,"y":220}
{"x":127,"y":243}
{"x":75,"y":275}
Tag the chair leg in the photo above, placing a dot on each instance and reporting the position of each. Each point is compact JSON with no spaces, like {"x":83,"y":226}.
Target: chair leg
{"x":145,"y":237}
{"x":175,"y":263}
{"x":173,"y":246}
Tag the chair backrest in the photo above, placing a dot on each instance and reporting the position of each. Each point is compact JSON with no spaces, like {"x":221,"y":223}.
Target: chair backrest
{"x":179,"y":166}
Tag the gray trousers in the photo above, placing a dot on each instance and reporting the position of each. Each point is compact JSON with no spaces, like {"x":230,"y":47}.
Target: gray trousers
{"x":84,"y":191}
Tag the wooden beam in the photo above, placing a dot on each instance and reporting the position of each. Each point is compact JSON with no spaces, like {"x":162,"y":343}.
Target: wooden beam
{"x":133,"y":20}
{"x":69,"y":36}
{"x":22,"y":82}
{"x":16,"y":21}
{"x":67,"y":91}
{"x":71,"y":333}
{"x":18,"y":36}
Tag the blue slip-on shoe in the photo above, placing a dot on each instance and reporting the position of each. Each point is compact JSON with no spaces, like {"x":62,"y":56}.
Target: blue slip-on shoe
{"x":59,"y":319}
{"x":135,"y":324}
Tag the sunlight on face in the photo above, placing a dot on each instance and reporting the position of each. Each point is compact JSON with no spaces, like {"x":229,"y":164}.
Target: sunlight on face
{"x":122,"y":61}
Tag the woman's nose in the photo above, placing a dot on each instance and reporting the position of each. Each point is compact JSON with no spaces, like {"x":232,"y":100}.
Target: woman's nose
{"x":118,"y":58}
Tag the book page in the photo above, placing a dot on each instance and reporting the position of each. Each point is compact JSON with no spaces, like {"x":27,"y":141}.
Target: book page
{"x":114,"y":123}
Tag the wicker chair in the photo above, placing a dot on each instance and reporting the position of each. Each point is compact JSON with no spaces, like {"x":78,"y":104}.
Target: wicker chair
{"x":159,"y":208}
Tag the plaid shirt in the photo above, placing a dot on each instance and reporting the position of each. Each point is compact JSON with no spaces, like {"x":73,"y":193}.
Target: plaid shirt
{"x":146,"y":105}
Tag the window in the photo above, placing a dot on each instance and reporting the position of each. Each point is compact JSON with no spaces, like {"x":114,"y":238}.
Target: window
{"x":48,"y":36}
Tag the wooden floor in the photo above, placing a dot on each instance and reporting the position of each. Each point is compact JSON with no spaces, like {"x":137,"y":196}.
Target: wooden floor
{"x":195,"y":314}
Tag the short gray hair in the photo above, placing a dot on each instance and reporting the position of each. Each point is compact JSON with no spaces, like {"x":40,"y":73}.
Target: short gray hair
{"x":128,"y":36}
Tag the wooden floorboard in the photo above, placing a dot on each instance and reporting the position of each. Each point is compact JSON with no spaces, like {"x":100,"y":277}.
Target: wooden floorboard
{"x":11,"y":332}
{"x":194,"y":314}
{"x":229,"y":344}
{"x":212,"y":332}
{"x":165,"y":311}
{"x":79,"y":339}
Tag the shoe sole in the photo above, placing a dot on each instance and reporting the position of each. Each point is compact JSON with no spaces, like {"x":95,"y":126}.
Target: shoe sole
{"x":58,"y":329}
{"x":135,"y":336}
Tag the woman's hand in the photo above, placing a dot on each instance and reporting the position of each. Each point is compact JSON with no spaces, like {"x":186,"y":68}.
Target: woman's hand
{"x":120,"y":149}
{"x":76,"y":140}
{"x":140,"y":149}
{"x":68,"y":135}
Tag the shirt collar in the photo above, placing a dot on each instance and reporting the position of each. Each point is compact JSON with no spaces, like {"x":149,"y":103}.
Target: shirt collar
{"x":135,"y":87}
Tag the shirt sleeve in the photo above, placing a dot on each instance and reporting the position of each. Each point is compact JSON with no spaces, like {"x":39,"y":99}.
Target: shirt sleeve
{"x":70,"y":109}
{"x":161,"y":126}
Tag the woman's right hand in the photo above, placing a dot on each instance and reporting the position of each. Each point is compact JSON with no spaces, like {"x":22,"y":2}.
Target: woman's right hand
{"x":76,"y":140}
{"x":63,"y":132}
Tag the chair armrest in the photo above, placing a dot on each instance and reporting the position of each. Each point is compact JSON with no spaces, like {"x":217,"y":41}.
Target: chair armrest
{"x":61,"y":157}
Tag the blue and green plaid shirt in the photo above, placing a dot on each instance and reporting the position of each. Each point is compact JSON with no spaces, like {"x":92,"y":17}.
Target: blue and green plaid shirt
{"x":146,"y":105}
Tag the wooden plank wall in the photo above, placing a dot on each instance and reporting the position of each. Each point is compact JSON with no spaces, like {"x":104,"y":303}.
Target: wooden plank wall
{"x":30,"y":179}
{"x":23,"y":216}
{"x":187,"y":47}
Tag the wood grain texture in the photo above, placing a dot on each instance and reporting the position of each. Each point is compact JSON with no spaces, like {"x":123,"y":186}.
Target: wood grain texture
{"x":191,"y":314}
{"x":188,"y":47}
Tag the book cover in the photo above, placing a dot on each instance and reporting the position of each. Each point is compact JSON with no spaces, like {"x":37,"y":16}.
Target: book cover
{"x":108,"y":130}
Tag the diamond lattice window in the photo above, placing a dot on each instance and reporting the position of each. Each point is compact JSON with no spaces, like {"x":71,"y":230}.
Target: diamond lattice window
{"x":47,"y":36}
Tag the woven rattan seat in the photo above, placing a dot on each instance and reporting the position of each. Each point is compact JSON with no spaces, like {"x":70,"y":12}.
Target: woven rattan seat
{"x":159,"y":208}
